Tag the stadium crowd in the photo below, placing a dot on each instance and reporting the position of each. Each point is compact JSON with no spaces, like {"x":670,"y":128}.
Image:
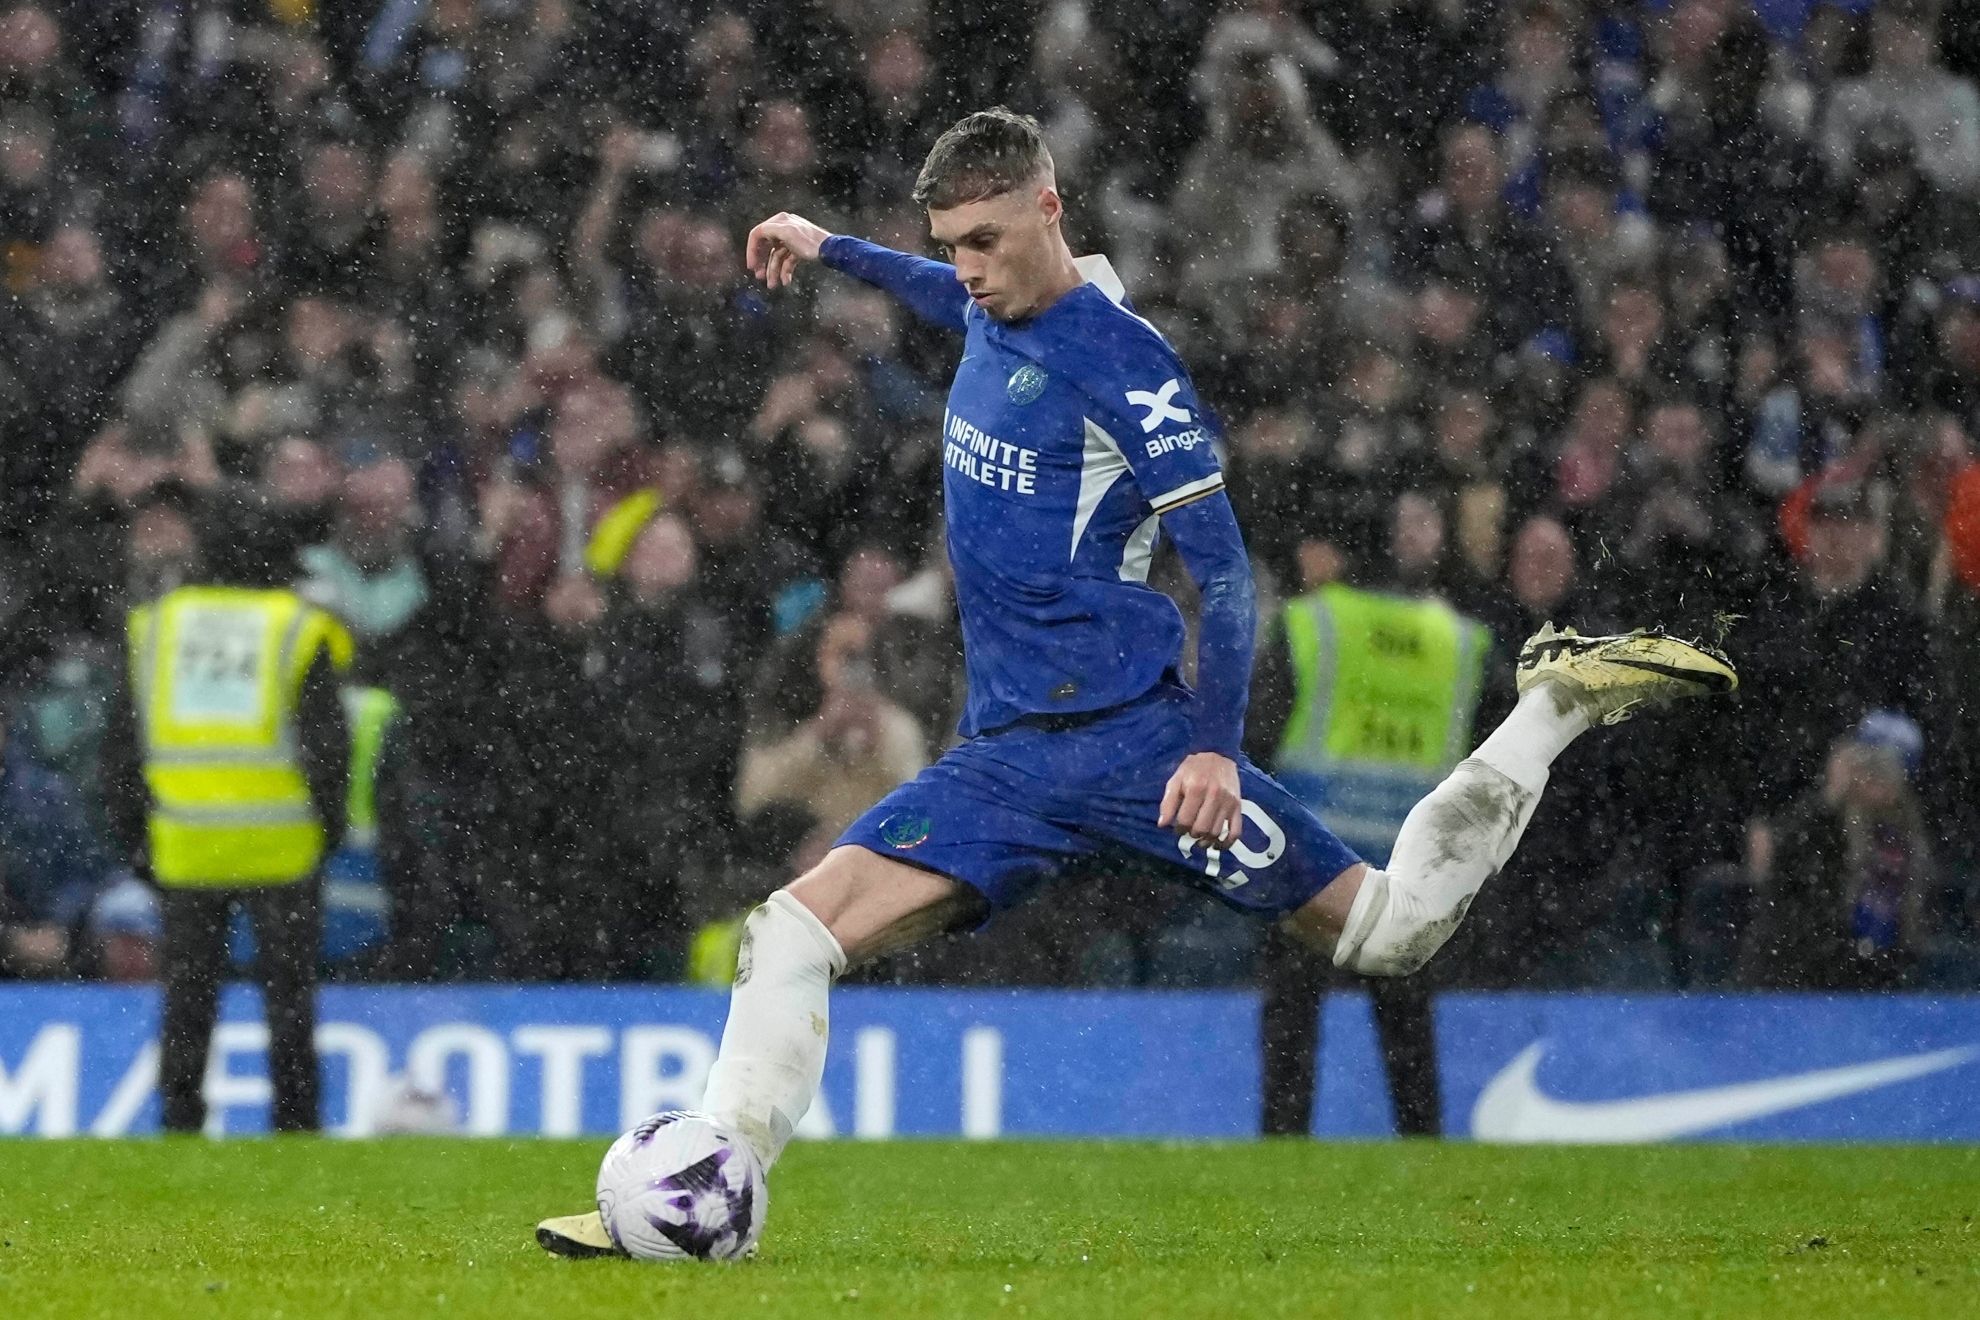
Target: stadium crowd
{"x":1608,"y":313}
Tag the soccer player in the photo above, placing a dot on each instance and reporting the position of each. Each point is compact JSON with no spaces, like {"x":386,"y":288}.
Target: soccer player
{"x":1072,"y":441}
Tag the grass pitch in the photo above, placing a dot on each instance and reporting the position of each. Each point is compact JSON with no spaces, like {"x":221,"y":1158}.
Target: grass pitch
{"x":301,"y":1227}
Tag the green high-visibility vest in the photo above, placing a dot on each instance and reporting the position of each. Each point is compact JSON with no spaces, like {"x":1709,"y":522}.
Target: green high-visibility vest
{"x":370,"y":712}
{"x":1385,"y":690}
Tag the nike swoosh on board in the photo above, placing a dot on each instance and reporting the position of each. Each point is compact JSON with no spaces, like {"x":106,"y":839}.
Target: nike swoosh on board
{"x":1513,"y":1108}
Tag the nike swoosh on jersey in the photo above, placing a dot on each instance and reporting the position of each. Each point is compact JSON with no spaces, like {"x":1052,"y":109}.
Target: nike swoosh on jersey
{"x":1513,"y":1108}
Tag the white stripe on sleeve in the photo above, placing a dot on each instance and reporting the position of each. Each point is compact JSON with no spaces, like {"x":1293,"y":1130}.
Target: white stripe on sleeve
{"x":1183,"y":494}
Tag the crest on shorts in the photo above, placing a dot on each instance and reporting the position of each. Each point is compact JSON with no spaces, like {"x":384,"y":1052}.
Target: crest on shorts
{"x":1026,"y":383}
{"x":905,"y":830}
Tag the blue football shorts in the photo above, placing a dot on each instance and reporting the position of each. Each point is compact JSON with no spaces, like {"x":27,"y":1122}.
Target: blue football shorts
{"x":1006,"y":811}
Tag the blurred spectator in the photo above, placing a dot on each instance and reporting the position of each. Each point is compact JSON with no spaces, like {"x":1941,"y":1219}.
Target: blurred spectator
{"x":781,"y":168}
{"x":365,"y":574}
{"x":1906,"y":85}
{"x":911,"y":660}
{"x":1956,"y":570}
{"x":1264,"y":148}
{"x":1693,"y":546}
{"x":1845,"y":888}
{"x":1463,"y":223}
{"x":1699,"y":320}
{"x":1920,"y":231}
{"x":124,"y":463}
{"x":1597,"y":244}
{"x":73,"y":335}
{"x":1287,"y":335}
{"x":1416,"y":546}
{"x":413,"y":615}
{"x":896,"y":121}
{"x":726,"y":77}
{"x":1723,"y":160}
{"x":1589,"y":460}
{"x":671,"y":701}
{"x":53,"y":866}
{"x":33,"y":69}
{"x":761,"y":582}
{"x":1448,"y":316}
{"x":673,"y":310}
{"x":1419,"y":44}
{"x":1924,"y":458}
{"x":220,"y":243}
{"x":335,"y":231}
{"x":178,"y":381}
{"x":333,"y":378}
{"x":412,"y":282}
{"x":853,"y":751}
{"x":1463,"y":477}
{"x":820,"y":452}
{"x":541,"y":524}
{"x":1808,"y":420}
{"x":1835,"y":643}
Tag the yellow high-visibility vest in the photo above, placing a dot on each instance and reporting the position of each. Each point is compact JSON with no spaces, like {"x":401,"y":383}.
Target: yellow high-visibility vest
{"x":370,"y":711}
{"x":216,"y":674}
{"x":1385,"y":688}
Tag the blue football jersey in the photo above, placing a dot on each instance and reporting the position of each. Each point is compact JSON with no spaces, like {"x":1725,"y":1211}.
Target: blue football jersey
{"x":1065,"y":438}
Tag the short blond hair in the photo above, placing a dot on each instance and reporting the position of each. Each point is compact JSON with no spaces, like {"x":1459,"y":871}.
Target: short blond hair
{"x":983,"y":155}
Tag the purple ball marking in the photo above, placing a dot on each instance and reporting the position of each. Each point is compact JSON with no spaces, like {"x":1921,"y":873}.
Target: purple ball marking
{"x":689,"y":1187}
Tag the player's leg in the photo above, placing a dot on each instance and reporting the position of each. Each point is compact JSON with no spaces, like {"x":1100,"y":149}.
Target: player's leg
{"x":1389,"y":922}
{"x":973,"y":826}
{"x":853,"y":904}
{"x":964,"y":837}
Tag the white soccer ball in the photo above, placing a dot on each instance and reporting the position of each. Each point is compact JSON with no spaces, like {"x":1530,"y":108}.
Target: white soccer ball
{"x":682,"y":1186}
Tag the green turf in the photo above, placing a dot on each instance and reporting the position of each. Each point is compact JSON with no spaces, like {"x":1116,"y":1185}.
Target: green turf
{"x":301,"y":1227}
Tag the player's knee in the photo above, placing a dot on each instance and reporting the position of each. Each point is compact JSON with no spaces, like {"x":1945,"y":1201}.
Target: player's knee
{"x":1391,"y":931}
{"x":871,"y":904}
{"x":786,"y":935}
{"x":837,"y":884}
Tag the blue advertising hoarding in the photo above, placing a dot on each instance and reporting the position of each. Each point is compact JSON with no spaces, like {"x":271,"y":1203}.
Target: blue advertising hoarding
{"x":574,"y":1060}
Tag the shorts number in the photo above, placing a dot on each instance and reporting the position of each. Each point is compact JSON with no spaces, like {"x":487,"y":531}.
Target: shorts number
{"x":1213,"y":858}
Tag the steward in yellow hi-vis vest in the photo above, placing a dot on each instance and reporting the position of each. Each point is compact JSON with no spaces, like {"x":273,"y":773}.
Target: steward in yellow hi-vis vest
{"x":1362,"y":701}
{"x":1384,"y":689}
{"x":226,"y":764}
{"x":217,"y":674}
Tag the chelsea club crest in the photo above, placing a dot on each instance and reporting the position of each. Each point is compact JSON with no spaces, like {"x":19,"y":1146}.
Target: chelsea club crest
{"x":905,"y":830}
{"x":1026,"y":383}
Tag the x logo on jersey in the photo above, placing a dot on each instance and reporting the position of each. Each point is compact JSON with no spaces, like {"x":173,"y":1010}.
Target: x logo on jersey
{"x":1157,"y":403}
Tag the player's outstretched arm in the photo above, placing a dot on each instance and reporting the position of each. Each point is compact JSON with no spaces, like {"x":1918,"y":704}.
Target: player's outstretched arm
{"x":780,"y":244}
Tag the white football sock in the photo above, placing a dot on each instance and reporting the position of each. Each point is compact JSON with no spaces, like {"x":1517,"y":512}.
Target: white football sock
{"x":773,"y":1046}
{"x":1456,"y":838}
{"x":1529,"y":740}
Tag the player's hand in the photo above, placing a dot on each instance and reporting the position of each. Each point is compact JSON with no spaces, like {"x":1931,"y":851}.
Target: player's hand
{"x":778,"y":244}
{"x":1204,"y":800}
